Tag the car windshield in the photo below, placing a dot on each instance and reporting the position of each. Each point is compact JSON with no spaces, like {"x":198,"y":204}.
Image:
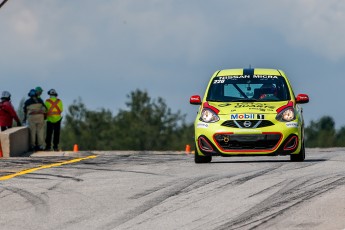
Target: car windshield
{"x":248,"y":88}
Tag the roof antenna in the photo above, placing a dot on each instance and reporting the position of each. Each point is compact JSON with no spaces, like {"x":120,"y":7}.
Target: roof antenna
{"x":250,"y":66}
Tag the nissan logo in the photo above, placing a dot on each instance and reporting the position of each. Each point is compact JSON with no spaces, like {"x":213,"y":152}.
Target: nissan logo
{"x":247,"y":124}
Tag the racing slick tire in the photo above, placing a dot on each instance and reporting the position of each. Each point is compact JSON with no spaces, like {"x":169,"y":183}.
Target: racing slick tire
{"x":201,"y":159}
{"x":300,"y":156}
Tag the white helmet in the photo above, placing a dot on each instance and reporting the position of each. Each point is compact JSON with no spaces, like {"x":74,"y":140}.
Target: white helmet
{"x":5,"y":94}
{"x":52,"y":92}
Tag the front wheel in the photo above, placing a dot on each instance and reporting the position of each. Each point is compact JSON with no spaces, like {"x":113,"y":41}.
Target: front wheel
{"x":300,"y":156}
{"x":198,"y":159}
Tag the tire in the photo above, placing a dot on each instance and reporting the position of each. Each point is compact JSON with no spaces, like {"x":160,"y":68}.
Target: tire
{"x":201,"y":159}
{"x":300,"y":156}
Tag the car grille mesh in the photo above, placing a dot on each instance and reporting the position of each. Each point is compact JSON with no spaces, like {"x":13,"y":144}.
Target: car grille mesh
{"x":248,"y":141}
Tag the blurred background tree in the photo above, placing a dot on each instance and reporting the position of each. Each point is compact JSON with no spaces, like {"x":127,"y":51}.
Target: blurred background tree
{"x":322,"y":133}
{"x":146,"y":124}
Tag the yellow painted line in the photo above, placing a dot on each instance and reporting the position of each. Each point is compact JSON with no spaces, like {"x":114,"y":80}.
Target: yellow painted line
{"x":45,"y":167}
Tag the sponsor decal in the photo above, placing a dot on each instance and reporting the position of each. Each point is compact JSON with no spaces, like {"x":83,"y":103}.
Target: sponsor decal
{"x":224,"y":105}
{"x":247,"y":116}
{"x":241,"y":116}
{"x":202,"y":125}
{"x":195,"y":98}
{"x":218,"y":81}
{"x":292,"y":124}
{"x":265,"y":76}
{"x":221,"y":79}
{"x":260,"y":116}
{"x":234,"y":77}
{"x":261,"y":110}
{"x":254,"y":106}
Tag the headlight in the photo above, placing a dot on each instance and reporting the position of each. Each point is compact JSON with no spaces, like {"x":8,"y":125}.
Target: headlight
{"x":208,"y":116}
{"x":287,"y":114}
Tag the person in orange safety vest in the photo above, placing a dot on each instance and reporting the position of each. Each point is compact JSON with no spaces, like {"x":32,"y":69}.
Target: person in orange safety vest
{"x":54,"y":110}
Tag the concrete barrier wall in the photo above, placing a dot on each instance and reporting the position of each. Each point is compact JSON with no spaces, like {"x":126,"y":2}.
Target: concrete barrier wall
{"x":15,"y":141}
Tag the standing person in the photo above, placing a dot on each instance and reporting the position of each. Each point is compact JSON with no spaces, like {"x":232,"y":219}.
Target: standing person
{"x":7,"y":112}
{"x":34,"y":110}
{"x":39,"y":91}
{"x":54,"y":110}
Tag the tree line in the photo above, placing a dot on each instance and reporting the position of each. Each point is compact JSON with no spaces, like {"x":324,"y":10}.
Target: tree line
{"x":145,"y":124}
{"x":149,"y":124}
{"x":323,"y":134}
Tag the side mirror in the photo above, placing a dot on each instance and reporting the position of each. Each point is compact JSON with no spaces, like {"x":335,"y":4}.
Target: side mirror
{"x":195,"y":100}
{"x":302,"y":98}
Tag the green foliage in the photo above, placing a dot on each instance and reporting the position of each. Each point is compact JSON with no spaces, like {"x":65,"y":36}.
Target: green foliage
{"x":90,"y":129}
{"x":322,"y":133}
{"x":340,"y":137}
{"x":147,"y":124}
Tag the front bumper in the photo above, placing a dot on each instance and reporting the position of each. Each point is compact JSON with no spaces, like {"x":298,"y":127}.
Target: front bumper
{"x":278,"y":139}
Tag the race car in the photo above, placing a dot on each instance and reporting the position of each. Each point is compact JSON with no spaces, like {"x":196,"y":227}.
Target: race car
{"x":249,"y":112}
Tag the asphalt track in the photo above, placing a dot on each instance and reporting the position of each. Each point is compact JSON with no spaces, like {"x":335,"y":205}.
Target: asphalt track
{"x":166,"y":190}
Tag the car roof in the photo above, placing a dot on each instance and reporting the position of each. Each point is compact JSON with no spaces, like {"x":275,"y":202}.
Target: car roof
{"x":250,"y":71}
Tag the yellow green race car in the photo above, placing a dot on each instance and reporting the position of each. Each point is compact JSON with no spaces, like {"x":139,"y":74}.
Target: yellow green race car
{"x":249,"y":112}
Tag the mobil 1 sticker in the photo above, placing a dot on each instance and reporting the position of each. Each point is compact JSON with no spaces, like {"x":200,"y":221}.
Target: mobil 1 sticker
{"x":247,"y":116}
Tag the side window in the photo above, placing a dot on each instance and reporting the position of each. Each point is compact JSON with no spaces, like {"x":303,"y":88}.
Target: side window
{"x":282,"y":91}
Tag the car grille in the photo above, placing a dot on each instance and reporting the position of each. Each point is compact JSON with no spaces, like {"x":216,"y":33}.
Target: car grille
{"x":247,"y":124}
{"x":247,"y":141}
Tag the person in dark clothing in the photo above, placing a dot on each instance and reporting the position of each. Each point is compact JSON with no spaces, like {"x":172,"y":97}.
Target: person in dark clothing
{"x":7,"y":112}
{"x":34,"y":112}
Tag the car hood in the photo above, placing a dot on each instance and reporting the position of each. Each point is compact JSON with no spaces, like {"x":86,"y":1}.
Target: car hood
{"x":247,"y":107}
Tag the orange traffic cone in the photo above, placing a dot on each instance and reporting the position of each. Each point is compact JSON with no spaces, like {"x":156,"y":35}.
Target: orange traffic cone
{"x":187,"y":149}
{"x":75,"y":148}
